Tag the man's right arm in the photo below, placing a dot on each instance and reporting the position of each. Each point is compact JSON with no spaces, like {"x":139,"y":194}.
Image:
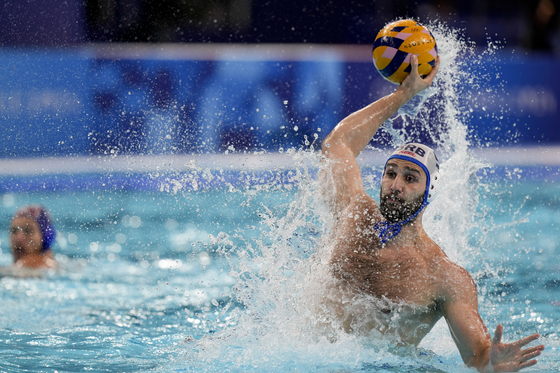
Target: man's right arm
{"x":354,"y":132}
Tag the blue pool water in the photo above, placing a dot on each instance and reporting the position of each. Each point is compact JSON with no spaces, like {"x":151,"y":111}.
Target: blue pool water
{"x":203,"y":266}
{"x":208,"y":280}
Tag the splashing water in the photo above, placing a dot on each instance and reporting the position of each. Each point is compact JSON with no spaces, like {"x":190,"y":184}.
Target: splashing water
{"x":271,"y":323}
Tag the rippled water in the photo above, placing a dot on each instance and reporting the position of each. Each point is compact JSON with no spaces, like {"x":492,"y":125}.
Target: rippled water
{"x":160,"y":281}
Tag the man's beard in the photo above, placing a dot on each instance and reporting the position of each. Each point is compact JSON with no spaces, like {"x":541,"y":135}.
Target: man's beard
{"x":401,"y":211}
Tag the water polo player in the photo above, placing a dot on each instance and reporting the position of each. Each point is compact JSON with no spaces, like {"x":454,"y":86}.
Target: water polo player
{"x":31,"y":237}
{"x":389,"y":279}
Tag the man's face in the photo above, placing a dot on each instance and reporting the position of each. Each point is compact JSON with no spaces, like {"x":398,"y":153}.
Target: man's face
{"x":25,"y":238}
{"x":402,"y":190}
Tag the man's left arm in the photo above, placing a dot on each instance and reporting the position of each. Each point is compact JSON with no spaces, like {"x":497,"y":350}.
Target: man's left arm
{"x":460,"y":309}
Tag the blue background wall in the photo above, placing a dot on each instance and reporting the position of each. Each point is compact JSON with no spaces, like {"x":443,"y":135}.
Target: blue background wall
{"x":56,"y":103}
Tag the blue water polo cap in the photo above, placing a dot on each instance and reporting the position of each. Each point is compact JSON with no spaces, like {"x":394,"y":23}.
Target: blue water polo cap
{"x":426,"y":158}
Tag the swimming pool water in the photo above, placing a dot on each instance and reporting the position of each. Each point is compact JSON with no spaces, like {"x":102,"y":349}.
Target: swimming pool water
{"x":159,"y":281}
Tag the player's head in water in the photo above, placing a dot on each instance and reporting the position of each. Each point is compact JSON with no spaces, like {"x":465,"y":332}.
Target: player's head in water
{"x":408,"y":185}
{"x":31,"y":236}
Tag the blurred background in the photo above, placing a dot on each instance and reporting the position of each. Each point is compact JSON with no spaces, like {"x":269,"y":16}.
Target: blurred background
{"x":83,"y":77}
{"x":528,"y":24}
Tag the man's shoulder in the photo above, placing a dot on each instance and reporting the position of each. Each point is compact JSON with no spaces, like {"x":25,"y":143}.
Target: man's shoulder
{"x":452,"y":278}
{"x":443,"y":268}
{"x":446,"y":266}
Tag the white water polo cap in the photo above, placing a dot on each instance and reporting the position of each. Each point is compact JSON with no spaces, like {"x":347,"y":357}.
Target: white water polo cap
{"x":426,"y":158}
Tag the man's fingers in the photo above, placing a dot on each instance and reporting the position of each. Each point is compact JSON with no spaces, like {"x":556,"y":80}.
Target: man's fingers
{"x":525,"y":358}
{"x":498,"y":334}
{"x":434,"y":70}
{"x":414,"y":64}
{"x":527,"y":340}
{"x":533,"y":349}
{"x":531,"y":353}
{"x":527,"y":364}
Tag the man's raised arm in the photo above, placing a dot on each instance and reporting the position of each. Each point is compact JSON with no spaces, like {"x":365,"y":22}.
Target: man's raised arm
{"x":354,"y":132}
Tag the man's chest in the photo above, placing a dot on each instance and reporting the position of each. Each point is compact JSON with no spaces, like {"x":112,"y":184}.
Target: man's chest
{"x":398,"y":276}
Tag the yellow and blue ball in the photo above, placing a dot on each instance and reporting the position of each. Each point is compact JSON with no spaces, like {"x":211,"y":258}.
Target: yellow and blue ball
{"x":396,"y":43}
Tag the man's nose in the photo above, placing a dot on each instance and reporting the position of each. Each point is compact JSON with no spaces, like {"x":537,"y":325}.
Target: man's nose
{"x":396,"y":186}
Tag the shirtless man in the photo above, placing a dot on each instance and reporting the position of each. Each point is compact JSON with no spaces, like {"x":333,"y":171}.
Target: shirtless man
{"x":389,"y":277}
